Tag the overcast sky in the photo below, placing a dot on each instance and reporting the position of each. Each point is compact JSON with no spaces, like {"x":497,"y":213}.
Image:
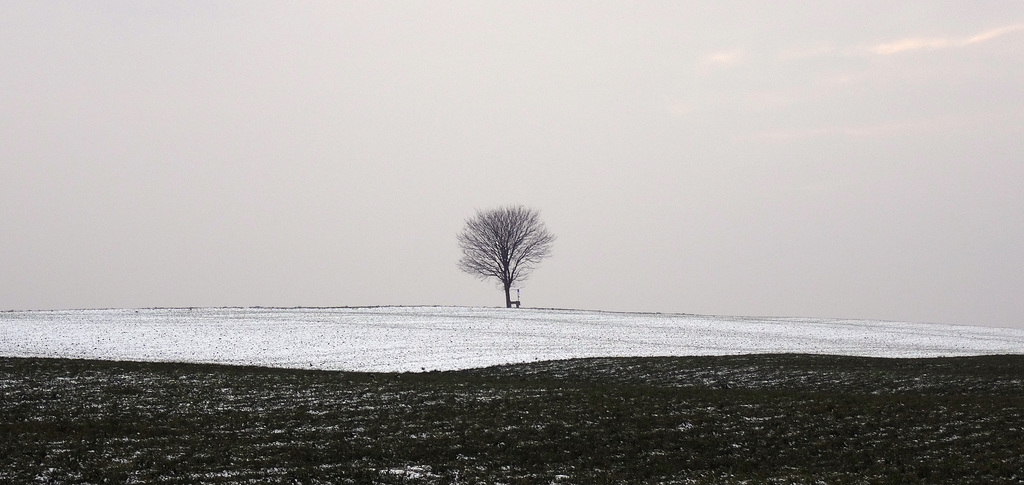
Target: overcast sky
{"x":798,"y":158}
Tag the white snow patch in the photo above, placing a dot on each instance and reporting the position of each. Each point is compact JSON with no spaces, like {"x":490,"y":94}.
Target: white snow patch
{"x":398,"y":339}
{"x":410,"y":472}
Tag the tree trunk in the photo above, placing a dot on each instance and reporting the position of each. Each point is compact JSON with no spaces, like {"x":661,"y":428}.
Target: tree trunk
{"x":508,"y":298}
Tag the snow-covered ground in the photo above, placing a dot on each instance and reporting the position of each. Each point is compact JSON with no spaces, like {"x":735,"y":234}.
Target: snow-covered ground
{"x":390,"y":339}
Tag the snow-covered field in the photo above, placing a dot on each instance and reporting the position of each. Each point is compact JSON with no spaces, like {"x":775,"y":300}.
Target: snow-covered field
{"x":390,"y":339}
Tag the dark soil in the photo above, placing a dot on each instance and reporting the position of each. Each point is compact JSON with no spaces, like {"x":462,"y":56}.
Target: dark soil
{"x":755,"y":419}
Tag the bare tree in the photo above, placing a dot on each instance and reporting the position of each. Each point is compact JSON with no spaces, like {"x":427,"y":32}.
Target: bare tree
{"x":505,"y":243}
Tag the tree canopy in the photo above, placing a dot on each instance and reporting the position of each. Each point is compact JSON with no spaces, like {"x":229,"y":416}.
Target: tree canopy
{"x":504,"y":243}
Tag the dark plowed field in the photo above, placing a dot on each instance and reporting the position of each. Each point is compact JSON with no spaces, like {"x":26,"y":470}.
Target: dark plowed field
{"x":759,"y":419}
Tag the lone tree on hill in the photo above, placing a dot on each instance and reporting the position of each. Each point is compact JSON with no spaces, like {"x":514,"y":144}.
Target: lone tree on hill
{"x":504,"y":243}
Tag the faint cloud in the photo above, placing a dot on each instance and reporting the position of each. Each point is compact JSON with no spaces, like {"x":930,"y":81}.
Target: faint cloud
{"x":769,"y":98}
{"x":724,"y":58}
{"x":991,"y":34}
{"x":841,"y":78}
{"x":911,"y":44}
{"x":886,"y":128}
{"x":778,"y":136}
{"x":679,"y":109}
{"x":807,"y":53}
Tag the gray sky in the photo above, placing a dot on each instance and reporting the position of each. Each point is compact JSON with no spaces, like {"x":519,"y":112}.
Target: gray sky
{"x":800,"y":158}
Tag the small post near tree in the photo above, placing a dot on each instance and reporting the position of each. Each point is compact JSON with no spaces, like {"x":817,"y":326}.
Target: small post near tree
{"x":504,"y":243}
